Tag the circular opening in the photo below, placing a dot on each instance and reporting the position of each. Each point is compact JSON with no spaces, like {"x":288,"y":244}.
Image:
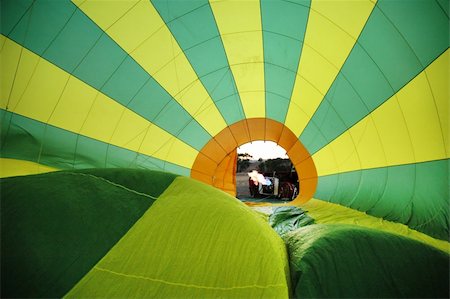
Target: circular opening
{"x":264,"y":173}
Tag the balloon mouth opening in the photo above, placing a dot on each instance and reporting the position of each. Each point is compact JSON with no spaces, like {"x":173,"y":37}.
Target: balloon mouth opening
{"x":216,"y":163}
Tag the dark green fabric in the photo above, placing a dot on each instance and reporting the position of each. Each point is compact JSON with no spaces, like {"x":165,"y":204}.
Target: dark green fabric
{"x":26,"y":139}
{"x":344,"y":261}
{"x":194,"y":27}
{"x":62,"y":34}
{"x":288,"y":218}
{"x":396,"y":44}
{"x":149,"y":182}
{"x":397,"y":193}
{"x":284,"y":26}
{"x":57,"y":226}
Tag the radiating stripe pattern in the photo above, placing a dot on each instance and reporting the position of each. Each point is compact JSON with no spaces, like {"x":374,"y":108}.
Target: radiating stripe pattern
{"x":362,"y":84}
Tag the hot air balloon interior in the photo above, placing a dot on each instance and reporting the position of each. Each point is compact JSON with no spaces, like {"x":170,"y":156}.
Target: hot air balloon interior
{"x":120,"y":121}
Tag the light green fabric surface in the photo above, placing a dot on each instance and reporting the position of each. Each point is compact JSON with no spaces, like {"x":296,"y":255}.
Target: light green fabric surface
{"x":195,"y":242}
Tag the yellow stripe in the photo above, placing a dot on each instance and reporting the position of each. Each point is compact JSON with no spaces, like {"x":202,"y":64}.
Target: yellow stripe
{"x":51,"y":95}
{"x":138,"y":28}
{"x":13,"y":167}
{"x":239,"y":24}
{"x":410,"y":127}
{"x":332,"y":30}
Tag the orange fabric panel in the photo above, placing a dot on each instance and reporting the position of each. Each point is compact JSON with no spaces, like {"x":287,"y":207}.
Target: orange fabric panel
{"x":297,"y":153}
{"x":307,"y":189}
{"x":240,"y":132}
{"x":225,"y":175}
{"x":226,"y":139}
{"x":205,"y":178}
{"x":204,"y":164}
{"x":214,"y":151}
{"x":307,"y":166}
{"x":257,"y":128}
{"x":273,"y":130}
{"x":287,"y":139}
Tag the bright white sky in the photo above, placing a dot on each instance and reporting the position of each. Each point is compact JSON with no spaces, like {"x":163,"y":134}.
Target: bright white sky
{"x":263,"y":149}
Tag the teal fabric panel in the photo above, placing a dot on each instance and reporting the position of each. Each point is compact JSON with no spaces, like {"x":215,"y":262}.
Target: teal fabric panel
{"x":225,"y":94}
{"x":194,"y":27}
{"x":392,"y":49}
{"x":11,"y":12}
{"x":89,"y":153}
{"x":277,"y":107}
{"x":104,"y":57}
{"x":348,"y":261}
{"x":413,"y":194}
{"x":57,"y":226}
{"x":27,"y":139}
{"x":415,"y":29}
{"x":284,"y":26}
{"x":173,"y":9}
{"x":60,"y":32}
{"x":73,"y":42}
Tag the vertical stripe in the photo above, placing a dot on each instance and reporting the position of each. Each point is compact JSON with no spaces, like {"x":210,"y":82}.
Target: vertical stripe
{"x":332,"y":30}
{"x":239,"y":24}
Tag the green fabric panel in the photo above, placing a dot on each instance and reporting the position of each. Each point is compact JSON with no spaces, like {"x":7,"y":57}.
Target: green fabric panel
{"x":194,"y":242}
{"x":177,"y":169}
{"x":372,"y":186}
{"x":11,"y":12}
{"x":322,"y":128}
{"x":330,"y":213}
{"x":426,"y":46}
{"x":276,"y":106}
{"x":40,"y":24}
{"x":345,"y":261}
{"x":414,"y":194}
{"x":391,"y":50}
{"x":149,"y":182}
{"x":57,"y":226}
{"x":22,"y":138}
{"x":77,"y":37}
{"x":288,"y":218}
{"x":105,"y":57}
{"x":173,"y":9}
{"x":284,"y":25}
{"x":445,"y":6}
{"x":63,"y":35}
{"x":194,"y":27}
{"x":225,"y":94}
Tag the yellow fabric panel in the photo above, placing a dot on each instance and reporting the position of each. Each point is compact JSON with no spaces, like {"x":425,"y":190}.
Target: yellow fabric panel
{"x":343,"y":154}
{"x":130,"y":131}
{"x":105,"y":18}
{"x":405,"y":129}
{"x":309,"y":89}
{"x":368,"y":144}
{"x":101,"y":121}
{"x":194,"y":242}
{"x":417,"y":104}
{"x":13,"y":167}
{"x":9,"y":59}
{"x":333,"y":27}
{"x":167,"y":147}
{"x":143,"y":34}
{"x":329,"y":213}
{"x":74,"y":105}
{"x":239,"y":23}
{"x":55,"y":97}
{"x":438,"y":79}
{"x":25,"y":69}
